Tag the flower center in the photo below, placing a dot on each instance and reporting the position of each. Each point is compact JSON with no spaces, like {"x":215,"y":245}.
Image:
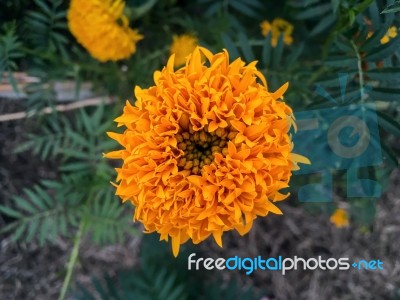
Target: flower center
{"x":199,"y":147}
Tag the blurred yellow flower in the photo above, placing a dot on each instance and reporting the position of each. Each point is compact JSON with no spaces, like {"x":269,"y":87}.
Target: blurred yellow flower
{"x":276,"y":28}
{"x":340,"y":218}
{"x":101,"y":27}
{"x":390,"y":34}
{"x":182,"y":46}
{"x":205,"y":150}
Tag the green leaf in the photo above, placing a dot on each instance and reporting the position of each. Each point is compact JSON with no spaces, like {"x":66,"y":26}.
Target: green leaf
{"x":62,"y":222}
{"x":302,"y":3}
{"x":277,"y":53}
{"x":79,"y":154}
{"x":390,"y":155}
{"x":242,"y":8}
{"x":44,"y":230}
{"x":98,"y":114}
{"x":392,"y":8}
{"x":86,"y":121}
{"x":137,"y":12}
{"x":332,"y":81}
{"x":18,"y":232}
{"x":43,"y":6}
{"x":13,"y":82}
{"x":294,"y":55}
{"x":167,"y":286}
{"x":78,"y":139}
{"x":38,"y":16}
{"x":212,"y":9}
{"x":313,"y":12}
{"x":389,"y":124}
{"x":160,"y":278}
{"x":44,"y":196}
{"x":10,"y":212}
{"x":266,"y":50}
{"x":75,"y":166}
{"x":32,"y":230}
{"x":25,"y":204}
{"x":374,"y":13}
{"x":52,"y":184}
{"x":323,"y":24}
{"x":40,"y":205}
{"x":385,"y":94}
{"x":178,"y":292}
{"x":343,"y":44}
{"x":244,"y":44}
{"x":340,"y":61}
{"x":230,"y":46}
{"x":384,"y":74}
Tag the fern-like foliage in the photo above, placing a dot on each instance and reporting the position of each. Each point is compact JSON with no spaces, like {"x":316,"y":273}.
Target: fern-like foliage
{"x":246,"y":7}
{"x":150,"y":284}
{"x":107,"y":220}
{"x":10,"y":52}
{"x":81,"y":194}
{"x":44,"y":212}
{"x":373,"y":71}
{"x":159,"y":277}
{"x":45,"y":28}
{"x":392,"y":8}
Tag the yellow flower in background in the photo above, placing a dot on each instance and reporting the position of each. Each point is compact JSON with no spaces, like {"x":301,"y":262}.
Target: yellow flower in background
{"x":276,"y":28}
{"x":101,"y":27}
{"x":390,"y":34}
{"x":205,"y":150}
{"x":340,"y":218}
{"x":182,"y":46}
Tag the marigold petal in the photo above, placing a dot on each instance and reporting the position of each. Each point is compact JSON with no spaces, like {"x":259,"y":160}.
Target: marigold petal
{"x":176,"y":243}
{"x":243,"y":228}
{"x":273,"y":208}
{"x":278,"y":94}
{"x":299,"y":158}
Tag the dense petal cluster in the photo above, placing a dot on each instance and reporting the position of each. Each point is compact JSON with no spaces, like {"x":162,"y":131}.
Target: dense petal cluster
{"x":182,"y":46}
{"x":276,"y":28}
{"x":205,"y":150}
{"x":102,"y":28}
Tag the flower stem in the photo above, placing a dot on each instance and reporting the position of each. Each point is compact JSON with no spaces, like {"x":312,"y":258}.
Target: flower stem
{"x":360,"y":71}
{"x":72,"y":260}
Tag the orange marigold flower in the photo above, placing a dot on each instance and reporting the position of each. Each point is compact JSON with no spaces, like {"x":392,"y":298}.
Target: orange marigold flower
{"x":102,"y":28}
{"x":205,"y":150}
{"x":182,"y":46}
{"x":276,"y":28}
{"x":340,"y":218}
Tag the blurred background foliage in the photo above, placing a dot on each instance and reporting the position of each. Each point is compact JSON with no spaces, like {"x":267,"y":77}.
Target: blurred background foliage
{"x":329,"y":37}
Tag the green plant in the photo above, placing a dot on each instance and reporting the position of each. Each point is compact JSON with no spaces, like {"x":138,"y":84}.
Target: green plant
{"x":81,"y":198}
{"x":166,"y":278}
